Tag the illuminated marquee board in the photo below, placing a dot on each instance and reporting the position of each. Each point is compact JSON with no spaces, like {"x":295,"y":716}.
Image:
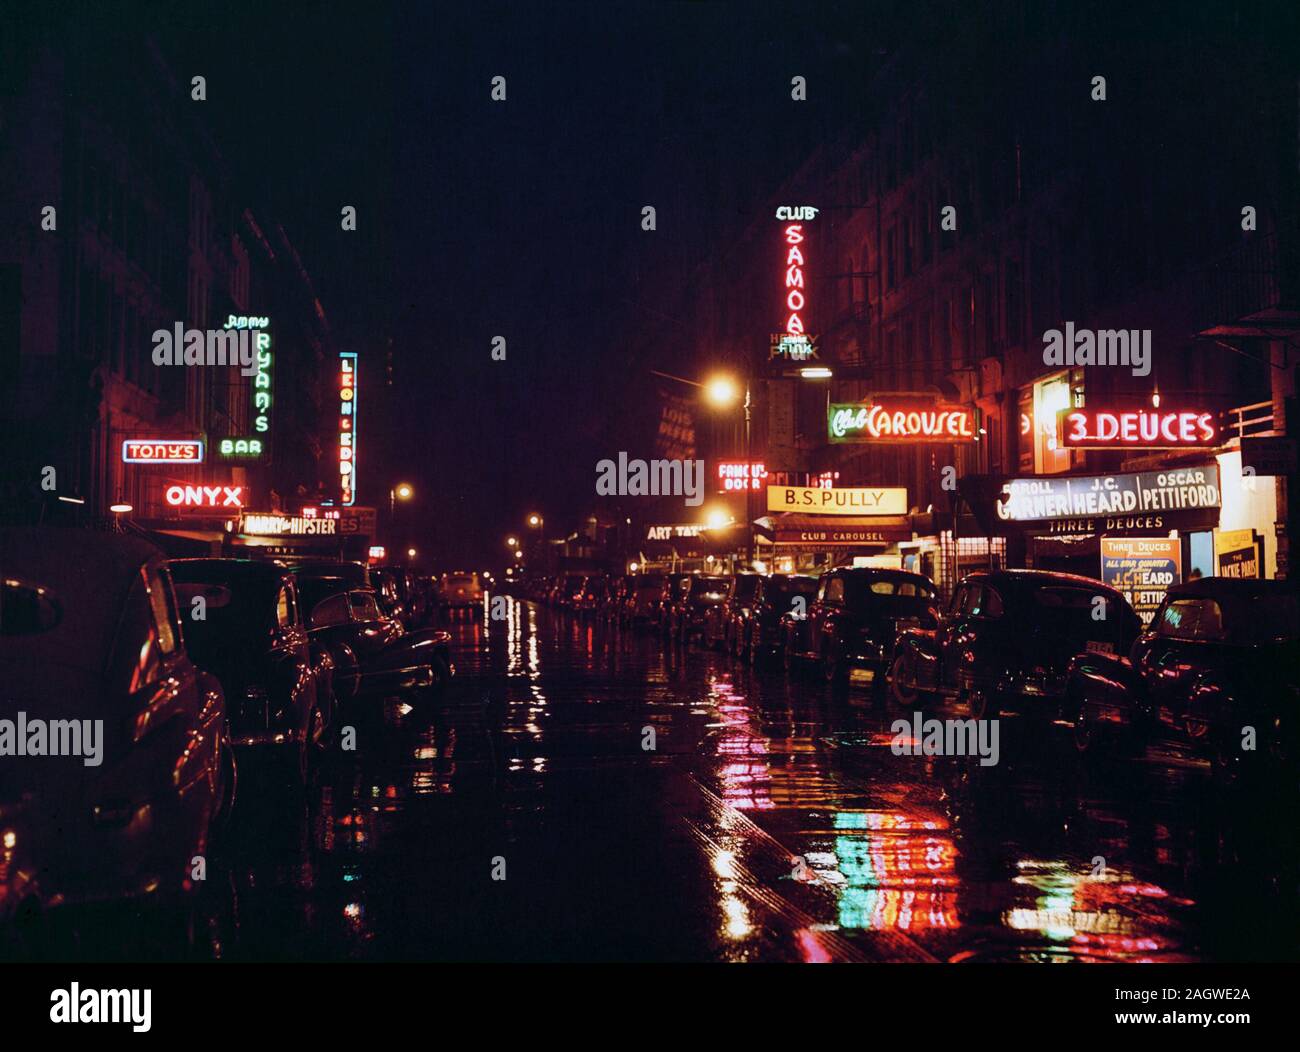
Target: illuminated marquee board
{"x":204,"y":496}
{"x":347,"y":427}
{"x":1073,"y":498}
{"x":793,"y":341}
{"x":1137,"y":429}
{"x":256,"y":445}
{"x":268,"y":524}
{"x":899,"y":422}
{"x":737,"y":475}
{"x":162,"y":451}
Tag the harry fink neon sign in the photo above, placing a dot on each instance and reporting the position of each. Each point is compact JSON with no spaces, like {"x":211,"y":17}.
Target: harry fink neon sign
{"x":347,"y":427}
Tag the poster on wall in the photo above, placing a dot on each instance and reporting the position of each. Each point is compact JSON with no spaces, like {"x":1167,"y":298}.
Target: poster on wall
{"x":1236,"y":554}
{"x":1142,"y":569}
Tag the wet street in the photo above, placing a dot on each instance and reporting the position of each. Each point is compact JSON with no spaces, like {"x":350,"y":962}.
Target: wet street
{"x":767,"y":823}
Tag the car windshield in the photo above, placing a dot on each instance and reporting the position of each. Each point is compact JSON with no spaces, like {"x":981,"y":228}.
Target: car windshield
{"x":1072,"y":611}
{"x":709,"y":587}
{"x":791,"y":586}
{"x":235,"y":617}
{"x":1262,"y":619}
{"x":861,"y":590}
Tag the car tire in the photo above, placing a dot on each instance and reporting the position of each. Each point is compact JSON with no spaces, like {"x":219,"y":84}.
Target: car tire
{"x":904,"y":697}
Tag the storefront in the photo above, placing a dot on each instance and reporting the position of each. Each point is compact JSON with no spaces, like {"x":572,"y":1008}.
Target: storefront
{"x":1134,"y":530}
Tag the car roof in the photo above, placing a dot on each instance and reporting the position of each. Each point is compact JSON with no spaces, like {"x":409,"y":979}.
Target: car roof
{"x":241,"y":570}
{"x":1233,"y":587}
{"x":89,"y":575}
{"x":1019,"y":577}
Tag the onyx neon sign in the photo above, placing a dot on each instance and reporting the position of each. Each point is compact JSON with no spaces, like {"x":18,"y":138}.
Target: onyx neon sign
{"x":898,"y":423}
{"x":1137,"y":429}
{"x":204,"y":496}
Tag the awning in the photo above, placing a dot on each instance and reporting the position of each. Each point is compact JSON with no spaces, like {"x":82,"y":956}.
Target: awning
{"x":182,"y":543}
{"x":835,"y":531}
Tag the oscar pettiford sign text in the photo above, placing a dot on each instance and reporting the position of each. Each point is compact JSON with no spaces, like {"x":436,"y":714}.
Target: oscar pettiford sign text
{"x":866,"y":501}
{"x":1045,"y":499}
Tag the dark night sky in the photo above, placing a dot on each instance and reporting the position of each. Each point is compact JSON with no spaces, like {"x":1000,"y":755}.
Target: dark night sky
{"x":519,"y":219}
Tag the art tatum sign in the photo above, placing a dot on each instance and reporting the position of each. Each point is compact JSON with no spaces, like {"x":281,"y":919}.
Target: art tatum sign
{"x":899,"y":422}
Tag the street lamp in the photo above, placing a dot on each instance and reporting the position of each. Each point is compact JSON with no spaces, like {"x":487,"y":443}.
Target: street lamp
{"x":511,"y":542}
{"x":410,"y":553}
{"x":402,"y":491}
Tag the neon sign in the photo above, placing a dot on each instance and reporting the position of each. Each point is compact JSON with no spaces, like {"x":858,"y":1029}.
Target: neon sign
{"x":249,"y":447}
{"x":268,"y":524}
{"x":738,"y":475}
{"x":161,"y":451}
{"x":1137,"y":429}
{"x":859,"y":422}
{"x":347,"y":427}
{"x":204,"y":496}
{"x":793,"y":341}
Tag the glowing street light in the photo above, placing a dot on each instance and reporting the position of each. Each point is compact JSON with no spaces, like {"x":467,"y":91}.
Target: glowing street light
{"x":534,"y":520}
{"x":120,"y":509}
{"x":721,"y":391}
{"x":410,"y":553}
{"x":716,"y":519}
{"x":518,"y":554}
{"x":512,"y":542}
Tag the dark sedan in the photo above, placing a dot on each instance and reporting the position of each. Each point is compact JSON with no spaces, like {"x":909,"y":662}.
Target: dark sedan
{"x":855,"y":619}
{"x":1220,"y":659}
{"x":373,"y":653}
{"x":244,"y":624}
{"x":723,"y":620}
{"x":689,"y":612}
{"x":759,"y":631}
{"x":1006,"y":640}
{"x":92,"y":647}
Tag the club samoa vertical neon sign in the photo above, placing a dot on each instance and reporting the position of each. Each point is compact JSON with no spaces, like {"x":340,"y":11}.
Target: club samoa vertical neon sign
{"x":793,"y":341}
{"x":347,"y":427}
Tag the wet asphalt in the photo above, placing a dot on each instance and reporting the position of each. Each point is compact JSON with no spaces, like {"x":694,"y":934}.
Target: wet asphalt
{"x":582,"y":792}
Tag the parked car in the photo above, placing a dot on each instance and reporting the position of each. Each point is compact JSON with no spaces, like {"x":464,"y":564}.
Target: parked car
{"x":696,"y":596}
{"x":644,"y":600}
{"x":721,"y":620}
{"x":590,"y":596}
{"x":373,"y":653}
{"x":461,"y":591}
{"x":568,"y":590}
{"x":252,"y":636}
{"x":1006,"y":640}
{"x":90,"y":633}
{"x":855,"y":618}
{"x":615,"y":597}
{"x":1220,"y":654}
{"x":759,"y":631}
